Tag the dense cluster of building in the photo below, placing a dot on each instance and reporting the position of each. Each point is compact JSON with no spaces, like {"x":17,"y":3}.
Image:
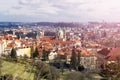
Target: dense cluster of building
{"x":93,"y":42}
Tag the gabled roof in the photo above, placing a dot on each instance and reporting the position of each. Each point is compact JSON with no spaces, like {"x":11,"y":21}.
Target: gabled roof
{"x":104,"y":52}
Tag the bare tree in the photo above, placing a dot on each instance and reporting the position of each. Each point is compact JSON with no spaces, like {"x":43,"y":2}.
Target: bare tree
{"x":44,"y":71}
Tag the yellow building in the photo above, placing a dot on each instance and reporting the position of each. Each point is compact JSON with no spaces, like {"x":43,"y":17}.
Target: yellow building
{"x":24,"y":51}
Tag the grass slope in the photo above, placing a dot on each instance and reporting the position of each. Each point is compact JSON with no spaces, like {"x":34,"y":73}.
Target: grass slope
{"x":16,"y":69}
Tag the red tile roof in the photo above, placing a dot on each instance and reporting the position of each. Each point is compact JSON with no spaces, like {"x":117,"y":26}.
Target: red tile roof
{"x":104,"y":52}
{"x":114,"y":53}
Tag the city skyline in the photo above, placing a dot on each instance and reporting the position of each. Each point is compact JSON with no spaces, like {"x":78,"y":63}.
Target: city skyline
{"x":59,"y":11}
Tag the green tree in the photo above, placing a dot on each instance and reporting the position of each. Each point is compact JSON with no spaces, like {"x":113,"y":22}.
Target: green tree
{"x":78,"y":60}
{"x":32,"y":51}
{"x":36,"y":53}
{"x":13,"y":53}
{"x":73,"y":62}
{"x":45,"y":54}
{"x":79,"y":55}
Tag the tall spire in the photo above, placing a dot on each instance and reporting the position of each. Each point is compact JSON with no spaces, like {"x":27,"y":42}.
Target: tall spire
{"x":64,"y":35}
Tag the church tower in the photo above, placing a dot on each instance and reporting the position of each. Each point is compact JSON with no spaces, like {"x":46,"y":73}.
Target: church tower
{"x":64,"y":35}
{"x":61,"y":34}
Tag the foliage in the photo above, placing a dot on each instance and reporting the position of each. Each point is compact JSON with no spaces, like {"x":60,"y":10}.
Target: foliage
{"x":74,"y":76}
{"x":73,"y":61}
{"x":18,"y":78}
{"x":25,"y":57}
{"x":6,"y":77}
{"x":45,"y":54}
{"x":18,"y":69}
{"x":9,"y":77}
{"x":13,"y":53}
{"x":32,"y":50}
{"x":36,"y":53}
{"x":85,"y":75}
{"x":79,"y":67}
{"x":110,"y":70}
{"x":44,"y":71}
{"x":54,"y":74}
{"x":79,"y":58}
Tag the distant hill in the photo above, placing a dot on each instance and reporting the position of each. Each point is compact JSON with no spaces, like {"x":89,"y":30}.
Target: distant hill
{"x":52,"y":24}
{"x":57,"y":24}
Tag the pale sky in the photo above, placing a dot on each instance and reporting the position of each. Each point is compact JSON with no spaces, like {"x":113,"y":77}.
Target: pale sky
{"x":59,"y":10}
